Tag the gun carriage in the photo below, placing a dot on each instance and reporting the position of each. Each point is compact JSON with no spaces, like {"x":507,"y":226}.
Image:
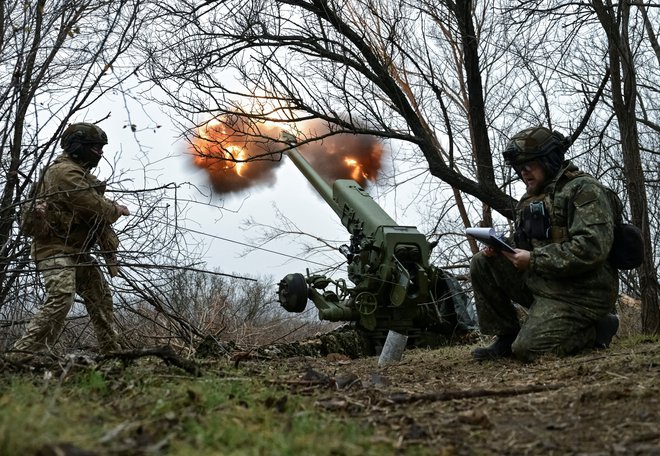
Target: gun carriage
{"x":394,"y":286}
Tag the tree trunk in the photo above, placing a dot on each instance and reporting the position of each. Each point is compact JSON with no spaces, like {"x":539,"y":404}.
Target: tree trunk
{"x":624,"y":95}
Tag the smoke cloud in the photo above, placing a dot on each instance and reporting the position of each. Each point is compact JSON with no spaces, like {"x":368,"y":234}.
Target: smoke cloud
{"x":344,"y":156}
{"x":238,"y":155}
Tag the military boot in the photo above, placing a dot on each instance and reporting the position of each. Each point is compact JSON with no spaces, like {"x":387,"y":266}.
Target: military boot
{"x":606,"y":328}
{"x":501,"y":348}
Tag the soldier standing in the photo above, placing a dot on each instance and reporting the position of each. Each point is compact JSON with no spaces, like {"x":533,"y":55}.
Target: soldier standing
{"x":560,"y":269}
{"x":71,"y":216}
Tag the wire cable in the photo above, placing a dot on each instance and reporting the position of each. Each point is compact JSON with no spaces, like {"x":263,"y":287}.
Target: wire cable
{"x":214,"y":236}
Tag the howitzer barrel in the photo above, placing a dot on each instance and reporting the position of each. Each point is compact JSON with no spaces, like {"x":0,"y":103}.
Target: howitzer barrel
{"x":355,"y":208}
{"x":313,"y":178}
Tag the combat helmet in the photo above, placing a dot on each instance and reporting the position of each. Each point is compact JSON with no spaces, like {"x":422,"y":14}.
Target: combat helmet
{"x":82,"y":133}
{"x":536,"y":143}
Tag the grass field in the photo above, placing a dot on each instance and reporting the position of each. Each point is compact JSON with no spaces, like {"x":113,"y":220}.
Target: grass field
{"x":432,"y":402}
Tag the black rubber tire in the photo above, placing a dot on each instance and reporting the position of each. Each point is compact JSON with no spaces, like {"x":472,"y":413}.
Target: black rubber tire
{"x":293,"y":293}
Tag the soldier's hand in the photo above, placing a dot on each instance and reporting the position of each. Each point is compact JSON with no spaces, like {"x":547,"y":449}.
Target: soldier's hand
{"x":520,"y":259}
{"x":122,"y":210}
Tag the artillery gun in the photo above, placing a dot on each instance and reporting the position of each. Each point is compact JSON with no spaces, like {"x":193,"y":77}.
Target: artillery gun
{"x":395,"y":287}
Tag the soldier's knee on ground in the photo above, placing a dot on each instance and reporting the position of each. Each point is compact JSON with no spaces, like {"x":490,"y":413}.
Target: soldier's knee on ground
{"x":527,"y":350}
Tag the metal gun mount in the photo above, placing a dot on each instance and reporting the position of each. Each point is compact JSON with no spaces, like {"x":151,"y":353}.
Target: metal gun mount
{"x":395,"y":286}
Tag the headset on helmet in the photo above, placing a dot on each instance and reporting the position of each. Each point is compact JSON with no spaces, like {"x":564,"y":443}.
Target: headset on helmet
{"x":82,"y":133}
{"x":537,"y":143}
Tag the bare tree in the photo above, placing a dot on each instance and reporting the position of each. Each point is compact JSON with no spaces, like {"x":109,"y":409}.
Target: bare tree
{"x":362,"y":66}
{"x":57,"y":57}
{"x":616,"y":23}
{"x":60,"y":62}
{"x":452,"y":79}
{"x":619,"y":41}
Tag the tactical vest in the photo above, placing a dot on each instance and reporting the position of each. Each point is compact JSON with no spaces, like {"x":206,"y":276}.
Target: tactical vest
{"x":56,"y":219}
{"x":546,"y":218}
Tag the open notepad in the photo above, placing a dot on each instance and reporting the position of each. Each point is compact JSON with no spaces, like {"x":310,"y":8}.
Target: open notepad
{"x":489,"y":237}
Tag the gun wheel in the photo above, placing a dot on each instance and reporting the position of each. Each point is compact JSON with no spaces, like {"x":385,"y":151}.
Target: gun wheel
{"x":366,"y":303}
{"x":292,"y":293}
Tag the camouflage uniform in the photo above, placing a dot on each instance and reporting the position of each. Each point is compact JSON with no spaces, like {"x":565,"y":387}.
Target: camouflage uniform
{"x":77,"y":214}
{"x":569,"y":284}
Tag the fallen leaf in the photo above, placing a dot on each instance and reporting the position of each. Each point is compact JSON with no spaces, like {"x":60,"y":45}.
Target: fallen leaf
{"x":475,"y":418}
{"x":338,"y":358}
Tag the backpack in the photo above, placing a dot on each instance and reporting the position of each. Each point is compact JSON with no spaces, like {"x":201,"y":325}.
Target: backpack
{"x":627,"y":250}
{"x":33,"y":211}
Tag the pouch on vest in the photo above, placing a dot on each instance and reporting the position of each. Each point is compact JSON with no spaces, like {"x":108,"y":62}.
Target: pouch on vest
{"x":535,"y":221}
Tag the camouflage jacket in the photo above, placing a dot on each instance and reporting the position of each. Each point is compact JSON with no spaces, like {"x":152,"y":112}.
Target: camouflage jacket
{"x":570,"y":264}
{"x":76,"y":213}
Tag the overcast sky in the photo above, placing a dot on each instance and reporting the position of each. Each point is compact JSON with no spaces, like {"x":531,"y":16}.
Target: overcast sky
{"x":167,"y":162}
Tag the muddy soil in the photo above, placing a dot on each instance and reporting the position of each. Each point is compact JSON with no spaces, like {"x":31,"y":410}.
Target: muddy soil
{"x":441,"y":402}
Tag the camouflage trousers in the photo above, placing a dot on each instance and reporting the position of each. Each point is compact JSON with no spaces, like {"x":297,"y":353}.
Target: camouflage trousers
{"x":552,"y":325}
{"x":64,"y":276}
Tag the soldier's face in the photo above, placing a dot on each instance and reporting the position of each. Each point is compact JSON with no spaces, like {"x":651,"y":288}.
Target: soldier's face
{"x":533,"y":175}
{"x":97,"y":149}
{"x":91,"y":155}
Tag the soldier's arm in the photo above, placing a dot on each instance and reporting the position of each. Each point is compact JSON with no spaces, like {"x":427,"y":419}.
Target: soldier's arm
{"x":82,"y":197}
{"x":590,"y":236}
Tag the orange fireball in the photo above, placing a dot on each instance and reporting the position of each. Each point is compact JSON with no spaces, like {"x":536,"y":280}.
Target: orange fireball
{"x":357,"y":174}
{"x":212,"y":148}
{"x":238,"y":154}
{"x":235,"y":154}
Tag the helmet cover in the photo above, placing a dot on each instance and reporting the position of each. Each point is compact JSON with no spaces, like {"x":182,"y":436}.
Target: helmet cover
{"x":82,"y":133}
{"x":537,"y":143}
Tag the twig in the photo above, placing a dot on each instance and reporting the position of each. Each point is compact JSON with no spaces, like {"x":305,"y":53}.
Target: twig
{"x":166,"y":353}
{"x":402,"y":398}
{"x":301,"y":382}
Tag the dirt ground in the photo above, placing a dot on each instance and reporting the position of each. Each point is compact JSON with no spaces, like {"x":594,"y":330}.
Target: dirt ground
{"x":441,"y":402}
